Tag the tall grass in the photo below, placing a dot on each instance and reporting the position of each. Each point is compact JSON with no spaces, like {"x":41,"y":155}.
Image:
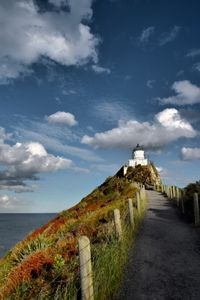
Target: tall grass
{"x":110,"y":258}
{"x":46,"y":265}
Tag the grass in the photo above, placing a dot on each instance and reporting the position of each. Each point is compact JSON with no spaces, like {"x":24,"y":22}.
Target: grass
{"x":110,"y":257}
{"x":45,"y":264}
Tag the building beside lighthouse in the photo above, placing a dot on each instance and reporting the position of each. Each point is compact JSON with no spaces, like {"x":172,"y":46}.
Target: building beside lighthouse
{"x":138,"y":158}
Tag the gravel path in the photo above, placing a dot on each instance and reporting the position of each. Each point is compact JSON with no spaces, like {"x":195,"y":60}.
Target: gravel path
{"x":165,"y":260}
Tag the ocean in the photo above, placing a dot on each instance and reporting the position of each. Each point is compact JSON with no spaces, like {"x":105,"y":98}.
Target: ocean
{"x":15,"y":227}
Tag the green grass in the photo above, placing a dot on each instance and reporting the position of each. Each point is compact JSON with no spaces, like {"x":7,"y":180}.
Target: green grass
{"x":110,"y":258}
{"x":108,"y":265}
{"x":57,"y":244}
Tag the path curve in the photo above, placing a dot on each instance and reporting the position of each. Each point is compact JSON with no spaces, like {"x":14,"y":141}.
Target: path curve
{"x":164,"y":263}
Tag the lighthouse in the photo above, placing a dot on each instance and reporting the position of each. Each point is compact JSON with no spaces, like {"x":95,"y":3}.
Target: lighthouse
{"x":138,"y":157}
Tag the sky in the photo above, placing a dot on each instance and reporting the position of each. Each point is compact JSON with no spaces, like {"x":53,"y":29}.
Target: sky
{"x":82,"y":82}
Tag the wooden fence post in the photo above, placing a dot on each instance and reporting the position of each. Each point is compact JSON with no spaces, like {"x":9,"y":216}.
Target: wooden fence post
{"x":196,"y":209}
{"x":142,"y":193}
{"x":130,"y":210}
{"x":118,"y":226}
{"x":171,"y":192}
{"x":182,"y":201}
{"x":85,"y":268}
{"x":138,"y":203}
{"x":178,"y":196}
{"x":168,"y":191}
{"x":165,"y":190}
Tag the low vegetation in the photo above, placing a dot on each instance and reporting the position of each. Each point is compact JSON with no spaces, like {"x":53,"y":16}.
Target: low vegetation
{"x":189,"y":191}
{"x":45,"y":264}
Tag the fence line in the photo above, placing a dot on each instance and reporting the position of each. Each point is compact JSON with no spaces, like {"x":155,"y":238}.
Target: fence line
{"x":177,"y":195}
{"x":86,"y":274}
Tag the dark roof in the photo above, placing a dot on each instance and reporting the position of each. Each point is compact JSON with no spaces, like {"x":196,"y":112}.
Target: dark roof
{"x":138,"y":147}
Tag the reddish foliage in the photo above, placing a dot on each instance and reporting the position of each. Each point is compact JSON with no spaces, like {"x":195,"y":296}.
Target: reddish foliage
{"x":55,"y":225}
{"x":70,"y":248}
{"x":30,"y":268}
{"x":84,"y":229}
{"x":92,"y":207}
{"x":37,"y":232}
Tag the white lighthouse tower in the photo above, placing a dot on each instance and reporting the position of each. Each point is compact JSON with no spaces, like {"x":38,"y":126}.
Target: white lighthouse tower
{"x":138,"y":158}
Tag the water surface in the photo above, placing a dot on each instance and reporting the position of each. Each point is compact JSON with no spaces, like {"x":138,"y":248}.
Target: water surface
{"x":14,"y":228}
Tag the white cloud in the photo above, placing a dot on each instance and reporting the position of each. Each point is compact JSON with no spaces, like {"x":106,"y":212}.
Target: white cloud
{"x":30,"y":34}
{"x":62,"y":117}
{"x":170,"y":36}
{"x":186,"y":93}
{"x":8,"y":202}
{"x":166,"y":127}
{"x":190,"y":153}
{"x":99,"y":70}
{"x":29,"y":159}
{"x":24,"y":161}
{"x":146,"y":34}
{"x":193,"y":53}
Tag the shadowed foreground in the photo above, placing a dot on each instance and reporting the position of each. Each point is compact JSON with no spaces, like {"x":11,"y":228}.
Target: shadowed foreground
{"x":165,"y":260}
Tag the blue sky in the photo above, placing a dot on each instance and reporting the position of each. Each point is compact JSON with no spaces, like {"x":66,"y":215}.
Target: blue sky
{"x":82,"y":82}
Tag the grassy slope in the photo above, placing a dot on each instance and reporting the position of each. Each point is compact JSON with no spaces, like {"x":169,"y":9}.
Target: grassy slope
{"x":48,"y":257}
{"x":189,"y":190}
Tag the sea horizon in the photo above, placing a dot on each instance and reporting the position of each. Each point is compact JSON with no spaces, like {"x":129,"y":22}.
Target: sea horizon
{"x":14,"y":227}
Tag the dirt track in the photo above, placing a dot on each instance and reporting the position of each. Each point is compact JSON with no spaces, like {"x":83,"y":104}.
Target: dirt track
{"x":165,"y":260}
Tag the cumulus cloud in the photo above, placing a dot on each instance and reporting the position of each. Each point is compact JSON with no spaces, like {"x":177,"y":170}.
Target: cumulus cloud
{"x":99,"y":70}
{"x":29,"y":34}
{"x":186,"y":94}
{"x":24,"y":161}
{"x":170,"y":36}
{"x":190,"y":153}
{"x":146,"y":34}
{"x":61,"y":117}
{"x":166,"y":127}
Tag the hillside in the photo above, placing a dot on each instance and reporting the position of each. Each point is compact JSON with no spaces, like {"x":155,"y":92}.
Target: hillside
{"x":45,"y":264}
{"x":143,"y":174}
